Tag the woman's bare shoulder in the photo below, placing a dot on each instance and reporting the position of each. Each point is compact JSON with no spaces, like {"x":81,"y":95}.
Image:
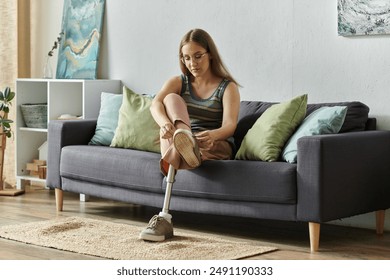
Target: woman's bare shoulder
{"x":173,"y":82}
{"x":232,"y":87}
{"x":172,"y":85}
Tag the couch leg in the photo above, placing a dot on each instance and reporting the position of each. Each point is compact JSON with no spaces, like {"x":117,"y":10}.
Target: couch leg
{"x":380,"y":221}
{"x":59,"y":199}
{"x":314,"y":233}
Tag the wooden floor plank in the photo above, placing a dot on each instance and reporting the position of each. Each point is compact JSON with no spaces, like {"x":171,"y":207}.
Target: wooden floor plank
{"x":292,"y":239}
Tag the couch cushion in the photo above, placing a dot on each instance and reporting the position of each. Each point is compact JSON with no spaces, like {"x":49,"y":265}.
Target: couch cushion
{"x":122,"y":168}
{"x":250,"y":111}
{"x":257,"y":181}
{"x":356,"y":118}
{"x":107,"y":121}
{"x":136,"y":127}
{"x":325,"y":120}
{"x":266,"y":138}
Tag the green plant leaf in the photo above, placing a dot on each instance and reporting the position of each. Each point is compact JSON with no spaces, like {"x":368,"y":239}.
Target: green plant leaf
{"x":5,"y":102}
{"x":7,"y":91}
{"x":11,"y":96}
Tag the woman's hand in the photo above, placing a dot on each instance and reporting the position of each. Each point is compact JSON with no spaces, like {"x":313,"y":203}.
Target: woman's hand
{"x":205,"y":139}
{"x":167,"y":131}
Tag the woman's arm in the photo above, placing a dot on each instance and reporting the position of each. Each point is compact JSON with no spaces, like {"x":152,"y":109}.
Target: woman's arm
{"x":231,"y":108}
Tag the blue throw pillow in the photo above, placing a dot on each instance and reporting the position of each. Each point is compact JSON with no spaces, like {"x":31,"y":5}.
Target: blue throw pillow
{"x":107,"y":120}
{"x":325,"y":120}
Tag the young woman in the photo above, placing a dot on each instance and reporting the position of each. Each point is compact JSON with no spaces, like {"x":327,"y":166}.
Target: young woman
{"x":197,"y":113}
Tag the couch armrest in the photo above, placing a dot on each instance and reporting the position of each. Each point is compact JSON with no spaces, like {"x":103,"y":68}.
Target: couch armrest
{"x":61,"y":134}
{"x":342,"y":175}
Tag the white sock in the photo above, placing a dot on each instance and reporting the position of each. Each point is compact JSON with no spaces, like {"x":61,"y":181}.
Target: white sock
{"x":166,"y":216}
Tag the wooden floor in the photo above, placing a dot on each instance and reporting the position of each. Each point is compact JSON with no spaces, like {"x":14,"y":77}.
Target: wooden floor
{"x":291,"y":239}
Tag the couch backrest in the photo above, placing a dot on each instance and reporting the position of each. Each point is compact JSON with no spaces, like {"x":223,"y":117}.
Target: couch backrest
{"x":355,"y":120}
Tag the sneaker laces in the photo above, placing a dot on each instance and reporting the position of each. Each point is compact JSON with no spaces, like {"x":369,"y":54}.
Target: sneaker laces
{"x":154,"y":221}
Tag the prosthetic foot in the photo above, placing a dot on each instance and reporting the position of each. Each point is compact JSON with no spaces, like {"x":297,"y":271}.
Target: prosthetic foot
{"x":160,"y":226}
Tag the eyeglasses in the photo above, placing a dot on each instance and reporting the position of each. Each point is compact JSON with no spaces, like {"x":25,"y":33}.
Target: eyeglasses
{"x":195,"y":58}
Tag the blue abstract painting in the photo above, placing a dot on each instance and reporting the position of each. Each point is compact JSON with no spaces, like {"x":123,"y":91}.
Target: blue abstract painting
{"x":79,"y":50}
{"x":363,"y":17}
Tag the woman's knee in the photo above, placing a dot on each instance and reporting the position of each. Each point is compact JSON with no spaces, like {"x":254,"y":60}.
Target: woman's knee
{"x":172,"y":98}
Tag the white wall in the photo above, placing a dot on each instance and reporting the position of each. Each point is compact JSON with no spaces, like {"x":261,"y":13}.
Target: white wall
{"x":333,"y":68}
{"x":143,"y":38}
{"x":276,"y":49}
{"x":46,"y":18}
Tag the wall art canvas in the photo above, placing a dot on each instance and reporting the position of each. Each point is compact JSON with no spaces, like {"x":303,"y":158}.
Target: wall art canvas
{"x":79,"y":49}
{"x":363,"y":17}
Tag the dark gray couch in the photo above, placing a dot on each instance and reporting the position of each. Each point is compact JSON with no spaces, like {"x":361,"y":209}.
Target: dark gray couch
{"x":337,"y":176}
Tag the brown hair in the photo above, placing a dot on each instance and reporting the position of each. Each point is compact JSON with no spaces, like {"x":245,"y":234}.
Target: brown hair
{"x":202,"y":38}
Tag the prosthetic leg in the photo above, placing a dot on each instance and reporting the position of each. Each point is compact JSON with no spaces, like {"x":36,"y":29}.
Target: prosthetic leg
{"x":160,"y":226}
{"x":167,"y":199}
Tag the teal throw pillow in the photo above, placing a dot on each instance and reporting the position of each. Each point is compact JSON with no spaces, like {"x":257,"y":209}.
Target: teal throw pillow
{"x":136,"y":127}
{"x":265,"y":140}
{"x":108,"y":119}
{"x":325,"y":120}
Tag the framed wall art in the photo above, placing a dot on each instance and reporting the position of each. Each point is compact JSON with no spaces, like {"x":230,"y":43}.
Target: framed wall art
{"x":363,"y":17}
{"x":79,"y":49}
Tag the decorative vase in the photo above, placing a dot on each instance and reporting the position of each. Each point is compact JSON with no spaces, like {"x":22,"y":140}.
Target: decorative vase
{"x":47,"y":70}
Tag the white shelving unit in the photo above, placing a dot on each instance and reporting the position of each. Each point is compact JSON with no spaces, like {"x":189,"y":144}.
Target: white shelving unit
{"x":75,"y":97}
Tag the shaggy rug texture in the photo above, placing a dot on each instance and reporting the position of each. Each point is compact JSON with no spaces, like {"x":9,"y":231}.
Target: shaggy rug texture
{"x":120,"y":241}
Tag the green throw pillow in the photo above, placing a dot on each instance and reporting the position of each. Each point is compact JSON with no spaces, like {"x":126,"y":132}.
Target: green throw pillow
{"x":265,"y":140}
{"x":136,"y":126}
{"x":108,"y":119}
{"x":325,"y":120}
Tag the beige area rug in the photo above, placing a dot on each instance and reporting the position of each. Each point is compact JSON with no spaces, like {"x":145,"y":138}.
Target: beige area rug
{"x":120,"y":241}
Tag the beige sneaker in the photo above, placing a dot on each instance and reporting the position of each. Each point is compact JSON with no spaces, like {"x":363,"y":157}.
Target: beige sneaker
{"x":187,"y":147}
{"x":158,"y":229}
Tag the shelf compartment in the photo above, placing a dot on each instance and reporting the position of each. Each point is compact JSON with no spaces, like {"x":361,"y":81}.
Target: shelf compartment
{"x":63,"y":96}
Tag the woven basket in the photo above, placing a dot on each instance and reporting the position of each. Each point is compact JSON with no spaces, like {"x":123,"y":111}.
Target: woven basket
{"x":35,"y":115}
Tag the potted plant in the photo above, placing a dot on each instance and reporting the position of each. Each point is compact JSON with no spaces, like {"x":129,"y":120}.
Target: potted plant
{"x":6,"y":98}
